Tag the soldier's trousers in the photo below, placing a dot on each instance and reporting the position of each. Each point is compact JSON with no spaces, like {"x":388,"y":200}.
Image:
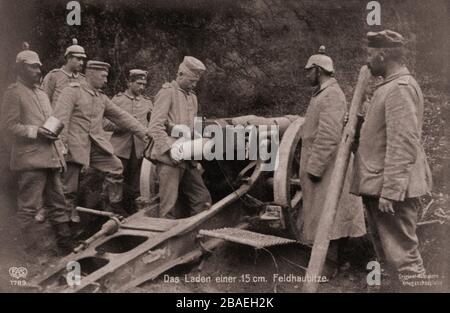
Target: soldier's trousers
{"x":38,"y":189}
{"x":189,"y":182}
{"x":394,"y":236}
{"x":131,"y":175}
{"x":108,"y":164}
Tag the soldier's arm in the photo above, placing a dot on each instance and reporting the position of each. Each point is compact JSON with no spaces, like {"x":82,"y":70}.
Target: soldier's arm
{"x":49,"y":85}
{"x":107,"y":124}
{"x":123,"y":119}
{"x":110,"y":126}
{"x":11,"y":112}
{"x":360,"y":116}
{"x":403,"y":137}
{"x":150,"y":109}
{"x":159,"y":121}
{"x":64,"y":107}
{"x":328,"y":135}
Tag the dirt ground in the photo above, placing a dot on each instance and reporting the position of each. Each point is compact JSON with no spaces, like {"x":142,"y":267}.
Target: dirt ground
{"x":238,"y":268}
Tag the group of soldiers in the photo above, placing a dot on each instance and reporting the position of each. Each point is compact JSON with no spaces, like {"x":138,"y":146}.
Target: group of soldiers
{"x":388,"y":175}
{"x":389,"y":170}
{"x":107,"y":135}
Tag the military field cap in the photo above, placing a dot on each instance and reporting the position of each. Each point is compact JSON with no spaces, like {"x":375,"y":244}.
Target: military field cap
{"x":98,"y":65}
{"x":140,"y":74}
{"x":27,"y":56}
{"x":385,"y":39}
{"x":192,"y":66}
{"x":322,"y":60}
{"x":75,"y":50}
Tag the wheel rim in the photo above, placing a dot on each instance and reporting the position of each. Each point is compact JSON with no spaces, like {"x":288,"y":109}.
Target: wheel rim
{"x":287,"y":188}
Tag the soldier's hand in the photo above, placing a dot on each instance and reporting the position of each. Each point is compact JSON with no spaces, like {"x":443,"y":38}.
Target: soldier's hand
{"x":200,"y":168}
{"x":176,"y":153}
{"x":46,"y":134}
{"x":63,"y":169}
{"x":65,"y":149}
{"x":147,"y":136}
{"x":386,"y":206}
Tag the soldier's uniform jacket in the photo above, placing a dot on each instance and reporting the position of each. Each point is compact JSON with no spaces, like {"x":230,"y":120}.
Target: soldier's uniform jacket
{"x":58,"y":79}
{"x":24,"y":110}
{"x":390,"y":161}
{"x":122,"y":140}
{"x":321,"y":134}
{"x":173,"y":106}
{"x":82,"y":109}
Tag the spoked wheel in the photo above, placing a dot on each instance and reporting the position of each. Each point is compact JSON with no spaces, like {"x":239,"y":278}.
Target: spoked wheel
{"x":148,"y":183}
{"x":287,"y":189}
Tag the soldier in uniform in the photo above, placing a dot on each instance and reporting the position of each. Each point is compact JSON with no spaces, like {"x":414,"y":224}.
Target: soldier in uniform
{"x":56,"y":80}
{"x":176,"y":104}
{"x":391,"y":170}
{"x":36,"y":155}
{"x":321,"y":135}
{"x":128,"y":147}
{"x":82,"y":107}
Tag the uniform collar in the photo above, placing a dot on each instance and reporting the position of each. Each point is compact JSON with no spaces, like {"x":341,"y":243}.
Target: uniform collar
{"x":72,"y":75}
{"x":403,"y":71}
{"x":92,"y":91}
{"x":25,"y":84}
{"x":131,"y":97}
{"x":176,"y":86}
{"x":322,"y":87}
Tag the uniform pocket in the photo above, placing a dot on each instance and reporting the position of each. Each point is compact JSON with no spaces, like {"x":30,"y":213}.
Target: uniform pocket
{"x":26,"y":149}
{"x":370,"y":167}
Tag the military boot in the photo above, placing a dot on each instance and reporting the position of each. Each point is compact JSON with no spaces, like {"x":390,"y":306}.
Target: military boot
{"x":116,"y":208}
{"x":64,"y":239}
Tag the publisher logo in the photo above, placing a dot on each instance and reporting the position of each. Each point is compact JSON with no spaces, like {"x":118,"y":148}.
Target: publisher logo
{"x":18,"y":272}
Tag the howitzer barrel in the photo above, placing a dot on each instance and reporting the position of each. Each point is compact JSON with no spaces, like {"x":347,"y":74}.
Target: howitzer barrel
{"x":283,"y":122}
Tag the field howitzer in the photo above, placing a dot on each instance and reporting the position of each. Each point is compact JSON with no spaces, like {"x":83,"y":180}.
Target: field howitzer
{"x":127,"y":252}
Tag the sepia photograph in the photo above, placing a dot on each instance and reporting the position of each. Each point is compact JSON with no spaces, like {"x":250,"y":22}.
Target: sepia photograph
{"x":244,"y":148}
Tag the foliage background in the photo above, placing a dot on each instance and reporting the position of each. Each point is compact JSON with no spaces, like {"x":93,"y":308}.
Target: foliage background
{"x":255,"y":50}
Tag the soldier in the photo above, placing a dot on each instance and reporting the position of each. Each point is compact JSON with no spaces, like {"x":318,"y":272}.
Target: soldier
{"x":37,"y":156}
{"x":56,"y":80}
{"x":321,"y":135}
{"x":390,"y":169}
{"x":176,"y":104}
{"x":128,"y":147}
{"x":82,"y":107}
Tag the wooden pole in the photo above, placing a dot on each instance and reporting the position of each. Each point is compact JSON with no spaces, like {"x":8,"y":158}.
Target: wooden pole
{"x":322,"y":241}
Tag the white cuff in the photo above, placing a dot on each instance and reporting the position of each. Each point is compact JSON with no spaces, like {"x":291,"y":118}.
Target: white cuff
{"x":32,"y":132}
